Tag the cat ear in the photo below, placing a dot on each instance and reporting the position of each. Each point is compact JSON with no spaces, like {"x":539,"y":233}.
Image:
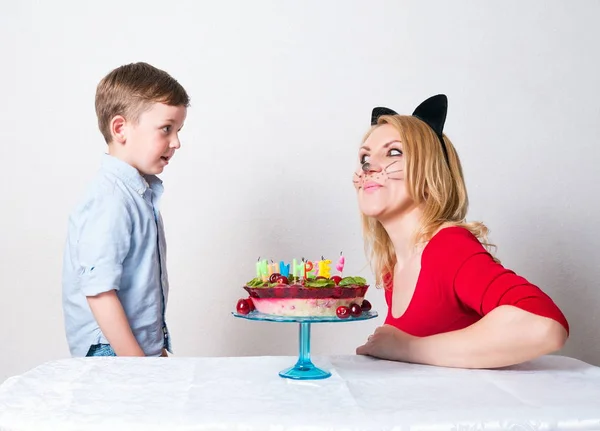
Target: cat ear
{"x":433,"y":112}
{"x":378,"y":112}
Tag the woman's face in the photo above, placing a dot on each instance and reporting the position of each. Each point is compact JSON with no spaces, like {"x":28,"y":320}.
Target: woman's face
{"x":379,"y":178}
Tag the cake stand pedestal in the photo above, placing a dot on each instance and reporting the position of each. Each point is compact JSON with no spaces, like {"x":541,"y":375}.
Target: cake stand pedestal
{"x":304,"y":368}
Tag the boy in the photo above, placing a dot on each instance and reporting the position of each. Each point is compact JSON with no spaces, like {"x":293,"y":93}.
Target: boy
{"x":115,"y":283}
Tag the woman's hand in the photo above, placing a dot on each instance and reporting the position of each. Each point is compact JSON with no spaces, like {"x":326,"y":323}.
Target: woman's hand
{"x":388,"y":342}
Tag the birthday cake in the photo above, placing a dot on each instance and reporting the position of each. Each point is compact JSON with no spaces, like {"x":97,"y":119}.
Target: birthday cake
{"x":304,"y":289}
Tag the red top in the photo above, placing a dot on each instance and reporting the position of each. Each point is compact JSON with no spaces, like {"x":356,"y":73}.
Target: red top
{"x":459,"y":283}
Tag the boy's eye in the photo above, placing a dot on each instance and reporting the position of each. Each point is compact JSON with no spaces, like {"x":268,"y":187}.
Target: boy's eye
{"x":394,"y":152}
{"x":166,"y":129}
{"x":364,"y":159}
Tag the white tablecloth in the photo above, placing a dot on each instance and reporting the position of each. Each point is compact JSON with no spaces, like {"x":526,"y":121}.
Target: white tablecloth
{"x":246,"y":393}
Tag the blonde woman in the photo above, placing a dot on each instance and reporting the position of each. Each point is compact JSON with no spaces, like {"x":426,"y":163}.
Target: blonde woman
{"x":450,"y":303}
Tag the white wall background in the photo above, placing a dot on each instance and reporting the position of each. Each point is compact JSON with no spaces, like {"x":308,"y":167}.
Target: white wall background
{"x":282,"y":93}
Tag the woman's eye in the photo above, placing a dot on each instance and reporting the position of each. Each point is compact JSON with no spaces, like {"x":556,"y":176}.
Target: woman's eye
{"x":364,"y":159}
{"x":394,"y":152}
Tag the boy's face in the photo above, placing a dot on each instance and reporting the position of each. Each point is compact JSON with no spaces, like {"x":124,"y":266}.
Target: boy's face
{"x":149,"y":144}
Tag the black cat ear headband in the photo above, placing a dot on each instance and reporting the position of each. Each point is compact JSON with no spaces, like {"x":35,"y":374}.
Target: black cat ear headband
{"x":432,"y":112}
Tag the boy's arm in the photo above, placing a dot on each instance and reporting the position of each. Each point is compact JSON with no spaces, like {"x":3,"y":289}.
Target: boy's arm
{"x":103,"y":246}
{"x":111,"y":318}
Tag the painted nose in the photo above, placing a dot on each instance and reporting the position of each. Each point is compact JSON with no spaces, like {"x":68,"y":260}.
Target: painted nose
{"x":370,"y":167}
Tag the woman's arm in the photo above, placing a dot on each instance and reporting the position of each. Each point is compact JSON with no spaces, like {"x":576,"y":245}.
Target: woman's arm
{"x":111,"y":318}
{"x":518,"y":322}
{"x":505,"y":336}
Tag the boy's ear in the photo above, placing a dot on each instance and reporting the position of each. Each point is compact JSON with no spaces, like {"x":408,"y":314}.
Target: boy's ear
{"x":118,"y":128}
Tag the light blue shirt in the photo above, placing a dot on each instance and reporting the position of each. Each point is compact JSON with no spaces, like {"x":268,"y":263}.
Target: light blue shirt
{"x":116,"y":240}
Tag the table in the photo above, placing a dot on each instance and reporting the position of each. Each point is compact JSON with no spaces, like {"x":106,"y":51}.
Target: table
{"x":246,"y":393}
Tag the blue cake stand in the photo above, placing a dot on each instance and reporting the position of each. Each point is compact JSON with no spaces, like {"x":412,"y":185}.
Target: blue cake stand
{"x":304,"y":368}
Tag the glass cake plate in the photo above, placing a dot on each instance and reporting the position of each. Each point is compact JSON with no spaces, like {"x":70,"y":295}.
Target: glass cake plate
{"x":304,"y":368}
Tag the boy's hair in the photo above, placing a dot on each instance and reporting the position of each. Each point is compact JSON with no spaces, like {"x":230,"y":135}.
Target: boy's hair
{"x":130,"y":89}
{"x":433,"y":183}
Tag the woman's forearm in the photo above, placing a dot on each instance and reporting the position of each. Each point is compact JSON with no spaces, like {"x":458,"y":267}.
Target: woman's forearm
{"x":111,"y":318}
{"x":505,"y":336}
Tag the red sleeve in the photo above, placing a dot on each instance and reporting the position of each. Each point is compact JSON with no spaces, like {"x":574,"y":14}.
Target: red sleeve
{"x":482,"y":284}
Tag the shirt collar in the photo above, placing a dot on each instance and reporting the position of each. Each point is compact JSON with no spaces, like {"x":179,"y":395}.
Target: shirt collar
{"x":130,"y":175}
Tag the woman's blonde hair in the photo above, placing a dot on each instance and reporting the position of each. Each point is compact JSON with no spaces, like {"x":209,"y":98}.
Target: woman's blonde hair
{"x":432,"y":182}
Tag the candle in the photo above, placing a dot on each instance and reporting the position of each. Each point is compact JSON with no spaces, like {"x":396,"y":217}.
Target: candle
{"x":294,"y":268}
{"x":324,"y":268}
{"x":308,"y":266}
{"x":270,"y":267}
{"x":264,"y":270}
{"x":340,"y":263}
{"x":285,"y":269}
{"x":301,"y":268}
{"x":258,"y":268}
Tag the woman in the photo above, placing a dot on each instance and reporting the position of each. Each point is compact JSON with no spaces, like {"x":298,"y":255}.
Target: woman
{"x":450,"y":303}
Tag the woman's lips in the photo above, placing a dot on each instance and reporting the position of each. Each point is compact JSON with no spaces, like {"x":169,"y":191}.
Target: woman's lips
{"x":371,"y":186}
